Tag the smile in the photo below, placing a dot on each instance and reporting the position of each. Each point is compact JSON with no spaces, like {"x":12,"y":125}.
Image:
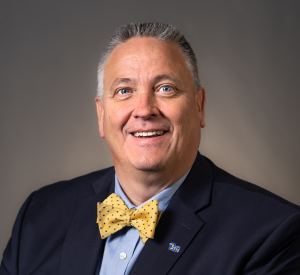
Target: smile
{"x":148,"y":134}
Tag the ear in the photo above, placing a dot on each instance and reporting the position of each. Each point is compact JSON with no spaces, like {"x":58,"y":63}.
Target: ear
{"x":100,"y":113}
{"x":201,"y":100}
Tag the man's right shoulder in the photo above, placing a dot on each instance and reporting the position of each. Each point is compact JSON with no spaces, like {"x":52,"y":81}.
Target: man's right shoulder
{"x":43,"y":223}
{"x":61,"y":198}
{"x":74,"y":189}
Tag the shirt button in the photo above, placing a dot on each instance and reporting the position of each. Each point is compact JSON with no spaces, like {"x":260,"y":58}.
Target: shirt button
{"x":123,"y":255}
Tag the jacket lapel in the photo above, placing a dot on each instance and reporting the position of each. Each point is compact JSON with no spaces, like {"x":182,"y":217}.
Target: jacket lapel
{"x":179,"y":223}
{"x":83,"y":246}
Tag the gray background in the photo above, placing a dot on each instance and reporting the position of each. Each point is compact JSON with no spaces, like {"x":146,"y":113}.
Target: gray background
{"x":248,"y":54}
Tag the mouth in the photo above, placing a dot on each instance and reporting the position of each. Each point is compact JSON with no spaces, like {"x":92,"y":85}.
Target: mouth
{"x":148,"y":134}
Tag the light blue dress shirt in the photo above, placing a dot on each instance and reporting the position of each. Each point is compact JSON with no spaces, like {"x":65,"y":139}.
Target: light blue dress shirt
{"x":123,"y":247}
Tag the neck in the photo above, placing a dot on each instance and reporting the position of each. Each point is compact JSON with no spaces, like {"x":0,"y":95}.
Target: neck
{"x":139,"y":186}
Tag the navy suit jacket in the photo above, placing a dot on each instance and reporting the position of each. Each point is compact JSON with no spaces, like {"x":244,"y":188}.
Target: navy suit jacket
{"x":222,"y":224}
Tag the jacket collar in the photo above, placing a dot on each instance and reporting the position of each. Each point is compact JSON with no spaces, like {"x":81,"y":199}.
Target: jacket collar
{"x":195,"y":193}
{"x":106,"y":181}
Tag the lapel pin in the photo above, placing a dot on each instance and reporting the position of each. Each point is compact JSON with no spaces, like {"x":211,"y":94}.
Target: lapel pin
{"x":173,"y":247}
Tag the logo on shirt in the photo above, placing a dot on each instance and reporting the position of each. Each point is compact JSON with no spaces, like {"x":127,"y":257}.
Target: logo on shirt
{"x":173,"y":247}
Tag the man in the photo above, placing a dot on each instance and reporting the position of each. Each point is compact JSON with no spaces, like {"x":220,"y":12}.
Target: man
{"x":163,"y":208}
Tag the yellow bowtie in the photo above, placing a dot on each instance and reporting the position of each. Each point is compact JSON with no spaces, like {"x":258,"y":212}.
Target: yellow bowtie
{"x":113,"y":215}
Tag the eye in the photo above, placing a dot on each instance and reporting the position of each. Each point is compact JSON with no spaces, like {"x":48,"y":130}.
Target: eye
{"x":124,"y":91}
{"x":166,"y":89}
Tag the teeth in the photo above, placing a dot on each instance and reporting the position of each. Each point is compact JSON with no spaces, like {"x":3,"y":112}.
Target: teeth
{"x":147,"y":134}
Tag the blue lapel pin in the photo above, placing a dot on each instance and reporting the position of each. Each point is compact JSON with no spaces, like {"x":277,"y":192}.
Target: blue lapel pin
{"x":173,"y":247}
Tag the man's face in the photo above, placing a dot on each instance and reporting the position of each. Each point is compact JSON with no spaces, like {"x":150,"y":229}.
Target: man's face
{"x":151,"y":113}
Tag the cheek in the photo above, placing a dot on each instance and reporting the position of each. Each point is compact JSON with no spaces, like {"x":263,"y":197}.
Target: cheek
{"x":179,"y":113}
{"x":115,"y":119}
{"x":185,"y":120}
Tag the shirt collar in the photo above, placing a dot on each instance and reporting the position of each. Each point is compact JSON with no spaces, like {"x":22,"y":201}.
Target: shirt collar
{"x":163,"y":197}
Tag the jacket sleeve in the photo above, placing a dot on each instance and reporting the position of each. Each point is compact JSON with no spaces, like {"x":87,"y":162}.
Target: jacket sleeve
{"x":10,"y":261}
{"x":280,"y":252}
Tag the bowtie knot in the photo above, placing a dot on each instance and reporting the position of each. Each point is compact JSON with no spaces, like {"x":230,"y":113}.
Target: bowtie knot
{"x":113,"y":215}
{"x":127,"y":217}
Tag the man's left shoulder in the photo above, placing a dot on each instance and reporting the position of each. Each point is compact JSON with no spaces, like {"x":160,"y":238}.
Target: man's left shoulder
{"x":247,"y":197}
{"x":261,"y":226}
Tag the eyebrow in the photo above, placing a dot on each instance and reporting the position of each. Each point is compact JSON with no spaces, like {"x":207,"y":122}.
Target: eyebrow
{"x":165,"y":77}
{"x":126,"y":80}
{"x":121,"y":80}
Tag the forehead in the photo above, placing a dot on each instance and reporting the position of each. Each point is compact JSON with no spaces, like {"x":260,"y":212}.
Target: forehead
{"x":145,"y":57}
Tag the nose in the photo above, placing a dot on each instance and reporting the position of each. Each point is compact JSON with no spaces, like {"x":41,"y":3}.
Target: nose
{"x":145,"y":106}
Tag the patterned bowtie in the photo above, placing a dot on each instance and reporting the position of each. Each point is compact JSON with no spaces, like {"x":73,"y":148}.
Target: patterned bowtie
{"x":113,"y":215}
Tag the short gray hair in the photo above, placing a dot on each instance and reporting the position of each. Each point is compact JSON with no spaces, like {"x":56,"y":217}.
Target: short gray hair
{"x":160,"y":31}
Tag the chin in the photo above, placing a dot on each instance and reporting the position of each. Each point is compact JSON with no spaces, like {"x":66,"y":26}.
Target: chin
{"x":149,"y":164}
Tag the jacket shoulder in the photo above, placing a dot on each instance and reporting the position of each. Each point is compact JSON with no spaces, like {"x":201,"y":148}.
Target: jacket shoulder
{"x":43,"y":221}
{"x":73,"y":189}
{"x":58,"y":201}
{"x":253,"y":195}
